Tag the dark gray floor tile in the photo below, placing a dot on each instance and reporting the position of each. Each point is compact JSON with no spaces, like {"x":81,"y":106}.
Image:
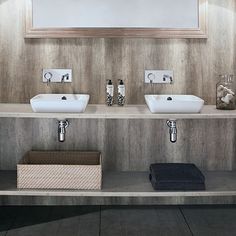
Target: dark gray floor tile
{"x":7,"y":216}
{"x":117,"y":221}
{"x":78,"y":221}
{"x":4,"y":226}
{"x":7,"y":212}
{"x":58,"y":221}
{"x":32,"y":221}
{"x":142,"y":221}
{"x":211,"y":221}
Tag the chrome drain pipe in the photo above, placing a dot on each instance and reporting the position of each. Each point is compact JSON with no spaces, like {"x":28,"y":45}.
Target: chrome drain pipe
{"x":62,"y":125}
{"x":172,"y":130}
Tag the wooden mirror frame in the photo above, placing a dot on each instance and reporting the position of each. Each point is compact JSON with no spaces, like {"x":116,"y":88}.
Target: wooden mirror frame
{"x":200,"y":32}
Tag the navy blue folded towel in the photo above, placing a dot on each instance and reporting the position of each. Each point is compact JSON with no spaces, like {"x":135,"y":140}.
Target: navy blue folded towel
{"x":176,"y":176}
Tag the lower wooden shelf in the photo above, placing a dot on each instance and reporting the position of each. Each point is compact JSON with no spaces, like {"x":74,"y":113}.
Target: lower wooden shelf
{"x":122,"y":188}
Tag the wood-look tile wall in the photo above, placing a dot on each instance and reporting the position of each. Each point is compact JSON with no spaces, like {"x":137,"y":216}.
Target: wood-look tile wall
{"x":196,"y":63}
{"x":126,"y":144}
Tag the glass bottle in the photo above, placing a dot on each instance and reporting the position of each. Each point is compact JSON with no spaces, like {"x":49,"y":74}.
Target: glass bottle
{"x":121,"y":93}
{"x":225,"y":93}
{"x":109,"y":93}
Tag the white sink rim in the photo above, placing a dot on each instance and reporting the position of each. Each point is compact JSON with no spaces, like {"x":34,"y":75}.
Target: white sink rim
{"x":178,"y":104}
{"x":53,"y":103}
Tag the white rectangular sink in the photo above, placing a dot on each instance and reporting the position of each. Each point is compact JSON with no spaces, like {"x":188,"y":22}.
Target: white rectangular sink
{"x":52,"y":103}
{"x":174,"y":103}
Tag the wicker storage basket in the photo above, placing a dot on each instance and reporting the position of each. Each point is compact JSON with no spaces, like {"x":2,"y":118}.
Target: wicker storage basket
{"x":60,"y":170}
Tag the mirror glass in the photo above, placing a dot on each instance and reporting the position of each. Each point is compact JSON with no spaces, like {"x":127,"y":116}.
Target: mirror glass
{"x":115,"y":14}
{"x":116,"y":18}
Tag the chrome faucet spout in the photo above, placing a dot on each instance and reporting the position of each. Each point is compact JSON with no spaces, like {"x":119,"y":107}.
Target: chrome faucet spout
{"x":64,"y":78}
{"x":168,"y":77}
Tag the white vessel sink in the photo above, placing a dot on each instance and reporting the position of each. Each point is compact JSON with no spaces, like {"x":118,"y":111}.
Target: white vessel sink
{"x":174,"y":103}
{"x":51,"y":103}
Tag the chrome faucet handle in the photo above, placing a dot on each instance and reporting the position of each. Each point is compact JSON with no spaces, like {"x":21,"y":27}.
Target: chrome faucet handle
{"x":151,"y":77}
{"x":48,"y":77}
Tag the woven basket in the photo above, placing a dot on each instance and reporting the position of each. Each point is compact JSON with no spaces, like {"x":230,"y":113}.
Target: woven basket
{"x":60,"y":170}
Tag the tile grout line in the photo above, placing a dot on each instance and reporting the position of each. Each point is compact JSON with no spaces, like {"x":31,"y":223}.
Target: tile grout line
{"x":100,"y":220}
{"x":180,"y":209}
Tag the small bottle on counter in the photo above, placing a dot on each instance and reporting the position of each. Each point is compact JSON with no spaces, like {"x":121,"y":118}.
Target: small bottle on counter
{"x":109,"y":93}
{"x":225,"y":93}
{"x":121,"y":93}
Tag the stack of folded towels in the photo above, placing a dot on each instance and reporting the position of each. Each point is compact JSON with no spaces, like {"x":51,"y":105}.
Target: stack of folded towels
{"x":176,"y":177}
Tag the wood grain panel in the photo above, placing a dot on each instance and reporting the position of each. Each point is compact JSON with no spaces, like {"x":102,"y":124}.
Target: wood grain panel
{"x":196,"y":62}
{"x":126,"y":145}
{"x":234,"y":147}
{"x":72,"y":201}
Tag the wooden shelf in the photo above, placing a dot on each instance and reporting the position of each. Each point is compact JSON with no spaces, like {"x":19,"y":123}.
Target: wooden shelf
{"x":115,"y":112}
{"x":125,"y":188}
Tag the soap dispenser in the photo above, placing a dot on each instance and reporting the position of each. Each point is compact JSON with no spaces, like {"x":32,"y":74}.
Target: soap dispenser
{"x":121,"y":93}
{"x":109,"y":93}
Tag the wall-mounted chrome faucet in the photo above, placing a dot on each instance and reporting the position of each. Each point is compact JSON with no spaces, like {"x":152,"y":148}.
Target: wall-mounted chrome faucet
{"x":57,"y":76}
{"x":172,"y":130}
{"x":159,"y":76}
{"x":62,"y":125}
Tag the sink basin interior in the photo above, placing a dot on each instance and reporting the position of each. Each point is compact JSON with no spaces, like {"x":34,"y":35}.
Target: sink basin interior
{"x":174,"y":103}
{"x":74,"y":103}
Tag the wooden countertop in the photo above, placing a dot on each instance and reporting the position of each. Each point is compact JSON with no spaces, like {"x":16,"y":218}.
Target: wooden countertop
{"x":115,"y":112}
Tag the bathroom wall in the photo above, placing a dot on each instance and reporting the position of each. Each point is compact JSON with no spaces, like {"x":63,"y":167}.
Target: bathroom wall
{"x":125,"y":144}
{"x":196,"y":62}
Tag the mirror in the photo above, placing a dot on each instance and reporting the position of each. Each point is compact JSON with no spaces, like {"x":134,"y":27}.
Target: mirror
{"x":116,"y":18}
